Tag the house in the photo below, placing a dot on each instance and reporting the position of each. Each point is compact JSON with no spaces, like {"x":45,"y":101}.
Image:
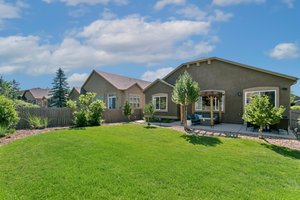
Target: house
{"x":75,"y":93}
{"x":114,"y":90}
{"x":226,"y":85}
{"x":38,"y":96}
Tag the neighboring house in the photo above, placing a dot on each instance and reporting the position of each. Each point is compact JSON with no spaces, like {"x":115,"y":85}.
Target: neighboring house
{"x":75,"y":93}
{"x":38,"y":96}
{"x":236,"y":83}
{"x":114,"y":90}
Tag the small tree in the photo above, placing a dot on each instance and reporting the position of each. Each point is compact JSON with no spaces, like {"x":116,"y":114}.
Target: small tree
{"x":148,"y":112}
{"x":60,"y":90}
{"x":95,"y":111}
{"x":127,"y":110}
{"x":261,"y":112}
{"x":9,"y":89}
{"x":185,"y":92}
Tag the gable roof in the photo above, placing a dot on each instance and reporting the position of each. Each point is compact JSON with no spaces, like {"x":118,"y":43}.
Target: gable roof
{"x":158,"y":80}
{"x":236,"y":64}
{"x":39,"y":93}
{"x":122,"y":82}
{"x":77,"y":89}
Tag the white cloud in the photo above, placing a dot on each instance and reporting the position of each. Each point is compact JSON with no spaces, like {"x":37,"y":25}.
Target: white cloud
{"x":11,"y":10}
{"x":108,"y":14}
{"x":88,"y":2}
{"x":289,"y":3}
{"x":77,"y":80}
{"x":153,"y":75}
{"x":78,"y":11}
{"x":192,"y":11}
{"x":107,"y":42}
{"x":159,"y":5}
{"x":285,"y":51}
{"x":235,"y":2}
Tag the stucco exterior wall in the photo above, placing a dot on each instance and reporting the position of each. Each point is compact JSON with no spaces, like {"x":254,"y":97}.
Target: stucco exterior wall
{"x":161,"y":88}
{"x":232,"y":79}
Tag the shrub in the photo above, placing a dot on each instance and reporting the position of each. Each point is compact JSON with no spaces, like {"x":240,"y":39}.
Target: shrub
{"x":24,"y":104}
{"x":148,"y":112}
{"x":88,"y":110}
{"x":37,"y":122}
{"x":3,"y":131}
{"x":95,"y":112}
{"x":127,"y":110}
{"x":8,"y":114}
{"x":295,"y":107}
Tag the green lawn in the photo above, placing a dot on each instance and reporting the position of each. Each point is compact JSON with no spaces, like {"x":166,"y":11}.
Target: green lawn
{"x":133,"y":162}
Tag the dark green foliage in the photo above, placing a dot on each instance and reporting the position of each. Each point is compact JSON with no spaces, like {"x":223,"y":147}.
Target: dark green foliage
{"x":8,"y":114}
{"x":9,"y":89}
{"x":60,"y":90}
{"x":127,"y":110}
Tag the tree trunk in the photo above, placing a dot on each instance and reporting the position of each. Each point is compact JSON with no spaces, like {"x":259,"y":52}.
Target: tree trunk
{"x":184,"y":116}
{"x":260,"y":130}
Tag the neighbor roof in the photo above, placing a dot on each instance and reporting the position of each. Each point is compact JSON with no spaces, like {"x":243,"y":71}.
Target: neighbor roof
{"x":77,"y":89}
{"x":158,"y":80}
{"x":237,"y":64}
{"x":122,"y":82}
{"x":39,"y":93}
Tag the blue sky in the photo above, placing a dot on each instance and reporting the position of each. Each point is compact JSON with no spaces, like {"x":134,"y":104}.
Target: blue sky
{"x":143,"y":39}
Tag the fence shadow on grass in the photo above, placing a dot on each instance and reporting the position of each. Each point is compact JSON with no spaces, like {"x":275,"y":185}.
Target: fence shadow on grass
{"x":202,"y":140}
{"x":284,"y":151}
{"x":150,"y":127}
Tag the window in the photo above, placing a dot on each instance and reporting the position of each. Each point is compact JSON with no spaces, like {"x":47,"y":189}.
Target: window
{"x":270,"y":93}
{"x":160,"y":103}
{"x":135,"y":101}
{"x":112,"y":101}
{"x":203,"y":104}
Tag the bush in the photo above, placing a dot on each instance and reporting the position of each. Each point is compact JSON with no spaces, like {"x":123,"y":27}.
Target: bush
{"x":8,"y":114}
{"x":149,"y":112}
{"x":3,"y":131}
{"x":88,"y":110}
{"x":24,"y":104}
{"x":37,"y":122}
{"x":95,"y":112}
{"x":295,"y":107}
{"x":127,"y":110}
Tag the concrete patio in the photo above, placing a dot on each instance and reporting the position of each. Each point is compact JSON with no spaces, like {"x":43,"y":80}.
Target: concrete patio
{"x":226,"y":129}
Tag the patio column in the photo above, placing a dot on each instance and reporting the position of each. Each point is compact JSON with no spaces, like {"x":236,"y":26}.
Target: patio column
{"x":211,"y":110}
{"x":220,"y":108}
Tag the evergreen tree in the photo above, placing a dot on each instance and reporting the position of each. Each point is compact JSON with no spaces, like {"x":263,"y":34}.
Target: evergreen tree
{"x":9,"y":89}
{"x":60,"y":90}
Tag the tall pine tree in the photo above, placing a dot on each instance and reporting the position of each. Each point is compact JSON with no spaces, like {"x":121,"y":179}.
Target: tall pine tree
{"x":60,"y":90}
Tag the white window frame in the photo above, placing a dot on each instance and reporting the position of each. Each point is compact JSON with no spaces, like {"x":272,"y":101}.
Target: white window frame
{"x":216,"y":108}
{"x":154,"y":102}
{"x":111,"y":96}
{"x":131,"y":101}
{"x":259,"y":92}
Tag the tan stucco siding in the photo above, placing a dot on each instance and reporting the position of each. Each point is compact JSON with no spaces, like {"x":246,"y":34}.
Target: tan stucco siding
{"x":161,"y":88}
{"x":102,"y":88}
{"x":74,"y":95}
{"x":135,"y":90}
{"x":28,"y":97}
{"x":234,"y":80}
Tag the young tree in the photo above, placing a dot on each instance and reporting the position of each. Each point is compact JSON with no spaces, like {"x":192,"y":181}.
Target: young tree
{"x":148,"y":112}
{"x":9,"y":89}
{"x":127,"y":110}
{"x":185,"y":92}
{"x":261,"y":112}
{"x":60,"y":90}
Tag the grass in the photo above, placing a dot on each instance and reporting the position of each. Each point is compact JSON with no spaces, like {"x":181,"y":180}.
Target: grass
{"x":133,"y":162}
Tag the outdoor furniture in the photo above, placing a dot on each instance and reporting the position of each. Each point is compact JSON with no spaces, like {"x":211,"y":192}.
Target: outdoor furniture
{"x":205,"y":121}
{"x":195,"y":118}
{"x":215,"y":117}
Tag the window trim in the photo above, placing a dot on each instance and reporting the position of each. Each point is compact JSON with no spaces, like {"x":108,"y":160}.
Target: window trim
{"x":160,"y":95}
{"x":259,"y":91}
{"x":108,"y":97}
{"x":135,"y":95}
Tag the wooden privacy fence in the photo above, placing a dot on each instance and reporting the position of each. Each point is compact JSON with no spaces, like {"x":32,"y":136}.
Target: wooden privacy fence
{"x":57,"y":117}
{"x":295,"y":115}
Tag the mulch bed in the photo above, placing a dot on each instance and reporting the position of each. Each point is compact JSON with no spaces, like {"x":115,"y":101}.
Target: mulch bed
{"x":25,"y":133}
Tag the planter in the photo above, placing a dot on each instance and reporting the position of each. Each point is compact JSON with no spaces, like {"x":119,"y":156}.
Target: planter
{"x":189,"y":122}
